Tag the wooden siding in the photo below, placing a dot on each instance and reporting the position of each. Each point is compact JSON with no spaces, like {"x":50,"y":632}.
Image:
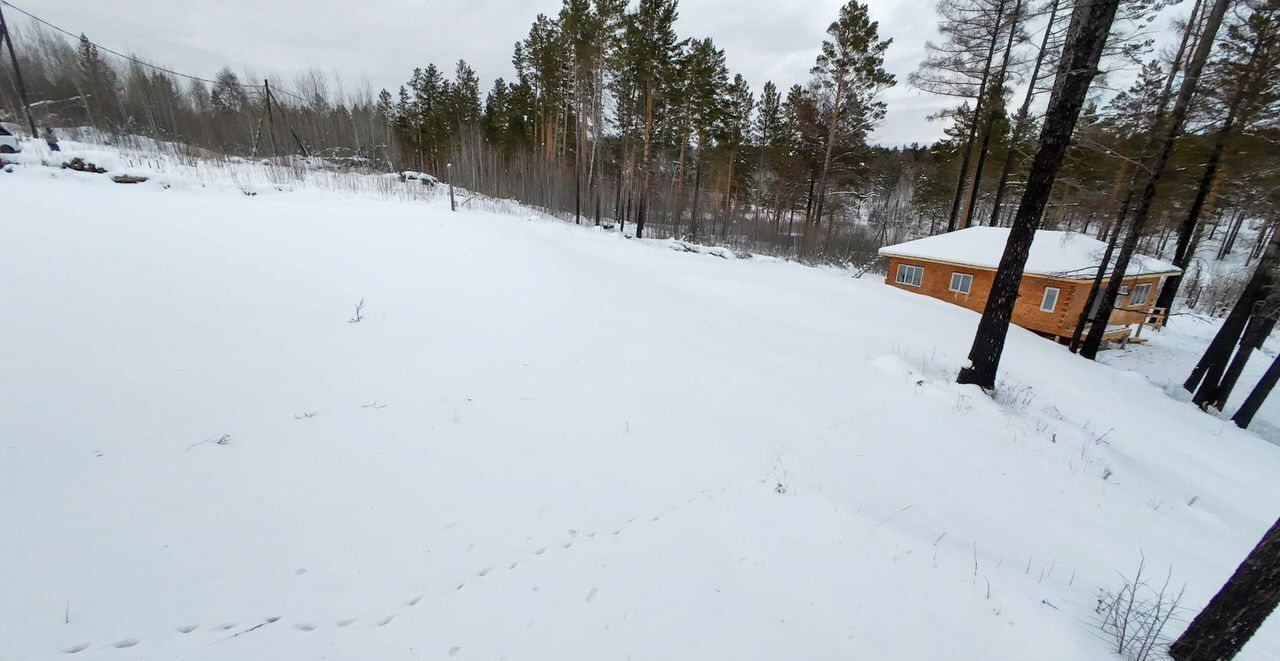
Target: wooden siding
{"x":1060,"y":322}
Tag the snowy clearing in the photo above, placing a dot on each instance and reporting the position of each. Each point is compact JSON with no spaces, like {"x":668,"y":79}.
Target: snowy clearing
{"x":550,"y":442}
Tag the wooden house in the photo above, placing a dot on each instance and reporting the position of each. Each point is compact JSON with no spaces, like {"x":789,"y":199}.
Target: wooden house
{"x":959,"y":267}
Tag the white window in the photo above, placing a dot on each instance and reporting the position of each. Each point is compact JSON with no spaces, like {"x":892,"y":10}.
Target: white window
{"x":1141,"y":294}
{"x":961,"y":283}
{"x":910,"y":275}
{"x":1050,"y":300}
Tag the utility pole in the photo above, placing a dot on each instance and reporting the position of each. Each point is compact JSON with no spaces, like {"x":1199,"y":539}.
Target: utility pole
{"x":17,"y":74}
{"x":271,"y":120}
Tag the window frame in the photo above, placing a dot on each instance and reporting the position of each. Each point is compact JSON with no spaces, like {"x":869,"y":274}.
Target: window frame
{"x":1057,"y":294}
{"x":966,"y":278}
{"x":907,"y":269}
{"x":1145,"y":288}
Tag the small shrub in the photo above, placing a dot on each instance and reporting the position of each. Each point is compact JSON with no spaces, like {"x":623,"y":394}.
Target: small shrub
{"x":1133,"y":618}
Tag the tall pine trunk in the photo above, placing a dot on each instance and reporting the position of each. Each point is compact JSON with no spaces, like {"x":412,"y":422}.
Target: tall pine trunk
{"x":963,"y":177}
{"x":1177,"y":117}
{"x":1221,"y":630}
{"x":1212,"y":364}
{"x":1249,"y":408}
{"x":1181,"y":253}
{"x":1023,"y":117}
{"x":997,"y":88}
{"x":1086,"y":37}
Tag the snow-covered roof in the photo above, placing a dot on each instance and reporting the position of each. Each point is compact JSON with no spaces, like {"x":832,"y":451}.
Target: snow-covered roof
{"x":1055,"y":254}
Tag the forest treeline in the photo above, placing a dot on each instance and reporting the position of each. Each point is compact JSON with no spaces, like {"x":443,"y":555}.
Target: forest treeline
{"x":614,"y":118}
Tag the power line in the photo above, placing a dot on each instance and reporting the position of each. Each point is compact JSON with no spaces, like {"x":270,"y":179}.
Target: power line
{"x":133,"y":59}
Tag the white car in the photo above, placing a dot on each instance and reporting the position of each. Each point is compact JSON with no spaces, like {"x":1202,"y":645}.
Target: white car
{"x":8,"y":142}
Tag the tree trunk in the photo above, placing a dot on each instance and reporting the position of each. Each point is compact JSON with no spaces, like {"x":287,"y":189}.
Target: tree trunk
{"x":1024,"y":115}
{"x":643,"y":203}
{"x":1176,"y":119}
{"x":832,"y":123}
{"x":1249,"y":408}
{"x":1221,"y":630}
{"x":1086,"y":315}
{"x":963,"y":177}
{"x":1255,"y":333}
{"x":997,"y":88}
{"x":1213,"y":362}
{"x":1181,"y":254}
{"x":1087,"y":34}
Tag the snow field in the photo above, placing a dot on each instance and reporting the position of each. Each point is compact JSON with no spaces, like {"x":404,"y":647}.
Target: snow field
{"x":549,"y":442}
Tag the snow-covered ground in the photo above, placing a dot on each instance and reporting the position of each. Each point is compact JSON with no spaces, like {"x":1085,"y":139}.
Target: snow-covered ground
{"x":1168,"y":358}
{"x":550,"y":442}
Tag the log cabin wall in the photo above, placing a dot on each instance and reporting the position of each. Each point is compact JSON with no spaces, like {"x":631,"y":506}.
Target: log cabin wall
{"x":936,"y":282}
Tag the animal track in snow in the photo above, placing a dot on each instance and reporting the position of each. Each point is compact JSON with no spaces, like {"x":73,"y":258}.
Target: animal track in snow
{"x":453,"y":651}
{"x":228,"y":625}
{"x":305,"y":626}
{"x":591,"y":596}
{"x":386,"y":620}
{"x":77,"y":648}
{"x":347,"y":622}
{"x":540,"y":551}
{"x":188,"y":628}
{"x":126,"y":643}
{"x":483,"y":572}
{"x":414,"y":601}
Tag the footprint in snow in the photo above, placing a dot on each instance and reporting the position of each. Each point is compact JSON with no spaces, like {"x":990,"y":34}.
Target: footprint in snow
{"x":657,"y":518}
{"x":386,"y":620}
{"x":188,"y":628}
{"x":414,"y":601}
{"x":591,"y":534}
{"x":273,"y":619}
{"x":483,"y":572}
{"x":591,"y":596}
{"x":453,"y":651}
{"x":568,"y":544}
{"x":617,"y":532}
{"x":346,"y":623}
{"x":229,"y":625}
{"x":514,"y":565}
{"x":126,"y":643}
{"x":299,"y":572}
{"x":305,"y":626}
{"x":540,"y":551}
{"x":77,"y":648}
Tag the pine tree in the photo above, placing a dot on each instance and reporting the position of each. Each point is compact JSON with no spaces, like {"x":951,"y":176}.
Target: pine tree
{"x":1086,"y":38}
{"x":1247,"y":85}
{"x":850,"y":75}
{"x":648,"y":53}
{"x":1167,"y":135}
{"x":98,"y":83}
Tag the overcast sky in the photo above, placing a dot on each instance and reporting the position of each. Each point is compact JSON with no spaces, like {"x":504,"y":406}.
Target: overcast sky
{"x":383,"y":40}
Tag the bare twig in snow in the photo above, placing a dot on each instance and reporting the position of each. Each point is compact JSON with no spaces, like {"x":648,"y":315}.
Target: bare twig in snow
{"x":359,"y":315}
